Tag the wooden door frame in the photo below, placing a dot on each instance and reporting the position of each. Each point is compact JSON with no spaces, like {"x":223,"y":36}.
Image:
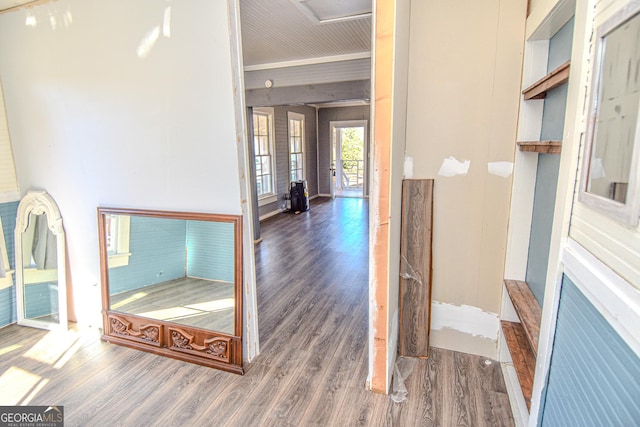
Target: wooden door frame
{"x":382,"y":336}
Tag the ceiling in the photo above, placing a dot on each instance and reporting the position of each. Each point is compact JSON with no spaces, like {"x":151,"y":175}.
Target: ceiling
{"x":305,"y":31}
{"x":278,"y":31}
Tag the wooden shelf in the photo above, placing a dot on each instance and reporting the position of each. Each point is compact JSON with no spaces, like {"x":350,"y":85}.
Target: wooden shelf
{"x":522,"y":338}
{"x":539,"y":89}
{"x":524,"y":360}
{"x":546,"y":147}
{"x":527,"y":308}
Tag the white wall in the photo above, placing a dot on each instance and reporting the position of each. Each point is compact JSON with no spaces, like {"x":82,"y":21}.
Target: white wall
{"x":95,"y":121}
{"x":464,"y":86}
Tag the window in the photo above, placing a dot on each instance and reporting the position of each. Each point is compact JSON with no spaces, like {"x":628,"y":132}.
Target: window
{"x":296,"y":146}
{"x":117,"y":230}
{"x":264,"y":155}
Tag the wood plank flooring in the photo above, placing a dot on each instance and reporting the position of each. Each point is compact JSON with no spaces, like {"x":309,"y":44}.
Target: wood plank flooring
{"x":202,"y":303}
{"x":313,"y":307}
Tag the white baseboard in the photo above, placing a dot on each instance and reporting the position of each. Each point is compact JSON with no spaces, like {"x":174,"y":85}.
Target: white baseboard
{"x":270,"y":214}
{"x":516,"y":398}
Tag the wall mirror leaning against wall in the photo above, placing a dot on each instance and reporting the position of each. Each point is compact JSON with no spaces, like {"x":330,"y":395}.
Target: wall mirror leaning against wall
{"x":41,"y":284}
{"x":611,"y":170}
{"x":172,"y":284}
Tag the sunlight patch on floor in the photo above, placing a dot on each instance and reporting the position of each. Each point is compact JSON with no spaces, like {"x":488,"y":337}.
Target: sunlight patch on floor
{"x":170,"y":313}
{"x":52,"y":347}
{"x":126,"y":301}
{"x":214,"y":305}
{"x":9,"y":348}
{"x":15,"y":384}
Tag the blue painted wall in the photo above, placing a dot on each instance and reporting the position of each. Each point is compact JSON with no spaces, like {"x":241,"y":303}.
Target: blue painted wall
{"x":210,"y":250}
{"x":158,"y":254}
{"x":548,"y":167}
{"x":8,"y":213}
{"x":42,"y":299}
{"x":541,"y":222}
{"x":560,"y":46}
{"x":594,"y":377}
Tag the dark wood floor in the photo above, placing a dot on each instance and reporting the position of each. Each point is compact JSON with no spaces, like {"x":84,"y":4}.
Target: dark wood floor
{"x":312,"y":293}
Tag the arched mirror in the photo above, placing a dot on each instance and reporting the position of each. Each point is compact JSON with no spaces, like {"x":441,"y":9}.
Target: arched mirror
{"x":41,"y":285}
{"x":171,"y":284}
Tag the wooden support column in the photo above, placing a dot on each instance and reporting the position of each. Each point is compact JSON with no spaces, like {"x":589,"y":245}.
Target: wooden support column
{"x":416,"y":267}
{"x":379,"y":202}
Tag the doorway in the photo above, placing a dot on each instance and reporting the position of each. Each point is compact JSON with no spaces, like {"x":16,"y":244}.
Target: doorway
{"x":348,"y":158}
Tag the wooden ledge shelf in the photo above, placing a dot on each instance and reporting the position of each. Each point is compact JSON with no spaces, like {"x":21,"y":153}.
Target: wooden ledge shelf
{"x":527,"y":308}
{"x":524,"y":360}
{"x":539,"y":89}
{"x":545,"y":147}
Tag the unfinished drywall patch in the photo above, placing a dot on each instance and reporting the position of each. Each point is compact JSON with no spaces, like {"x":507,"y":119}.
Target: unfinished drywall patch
{"x":502,"y":169}
{"x":465,"y":318}
{"x":408,"y":167}
{"x":464,"y":328}
{"x":452,"y":167}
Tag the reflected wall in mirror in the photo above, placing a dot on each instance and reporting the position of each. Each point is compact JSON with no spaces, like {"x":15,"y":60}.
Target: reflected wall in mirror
{"x":40,"y":263}
{"x":172,"y":284}
{"x":610,"y":172}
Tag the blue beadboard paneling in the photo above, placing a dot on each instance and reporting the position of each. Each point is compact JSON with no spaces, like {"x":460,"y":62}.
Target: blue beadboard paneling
{"x":594,"y":377}
{"x":158,"y":254}
{"x":41,"y":300}
{"x":8,"y":213}
{"x":8,"y":312}
{"x":210,"y":250}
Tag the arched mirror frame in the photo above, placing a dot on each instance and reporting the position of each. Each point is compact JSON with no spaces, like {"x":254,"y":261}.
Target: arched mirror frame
{"x":166,"y":338}
{"x":39,"y":202}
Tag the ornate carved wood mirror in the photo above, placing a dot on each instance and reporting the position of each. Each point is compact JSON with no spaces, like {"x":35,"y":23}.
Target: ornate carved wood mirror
{"x":171,"y":284}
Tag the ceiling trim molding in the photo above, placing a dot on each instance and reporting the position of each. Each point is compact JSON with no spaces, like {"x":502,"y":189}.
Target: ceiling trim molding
{"x":309,"y":61}
{"x":309,"y":13}
{"x":19,"y":4}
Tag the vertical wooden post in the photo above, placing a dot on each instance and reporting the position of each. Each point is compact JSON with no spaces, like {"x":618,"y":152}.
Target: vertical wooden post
{"x":380,"y":192}
{"x":415,"y":267}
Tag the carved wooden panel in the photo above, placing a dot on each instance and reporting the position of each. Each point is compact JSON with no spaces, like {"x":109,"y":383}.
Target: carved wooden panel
{"x":189,"y":344}
{"x":148,"y":333}
{"x":218,"y":348}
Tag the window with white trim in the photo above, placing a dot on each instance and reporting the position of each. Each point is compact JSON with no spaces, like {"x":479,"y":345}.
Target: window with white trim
{"x":118,"y":230}
{"x":296,"y":146}
{"x":264,"y":155}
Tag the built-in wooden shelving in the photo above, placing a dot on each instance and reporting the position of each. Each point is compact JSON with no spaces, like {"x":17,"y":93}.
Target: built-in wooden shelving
{"x":522,"y":338}
{"x":527,"y":308}
{"x":546,"y":147}
{"x":539,"y":89}
{"x":524,"y":360}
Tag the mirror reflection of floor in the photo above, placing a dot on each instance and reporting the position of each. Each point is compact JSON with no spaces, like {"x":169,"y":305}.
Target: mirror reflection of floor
{"x":189,"y":301}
